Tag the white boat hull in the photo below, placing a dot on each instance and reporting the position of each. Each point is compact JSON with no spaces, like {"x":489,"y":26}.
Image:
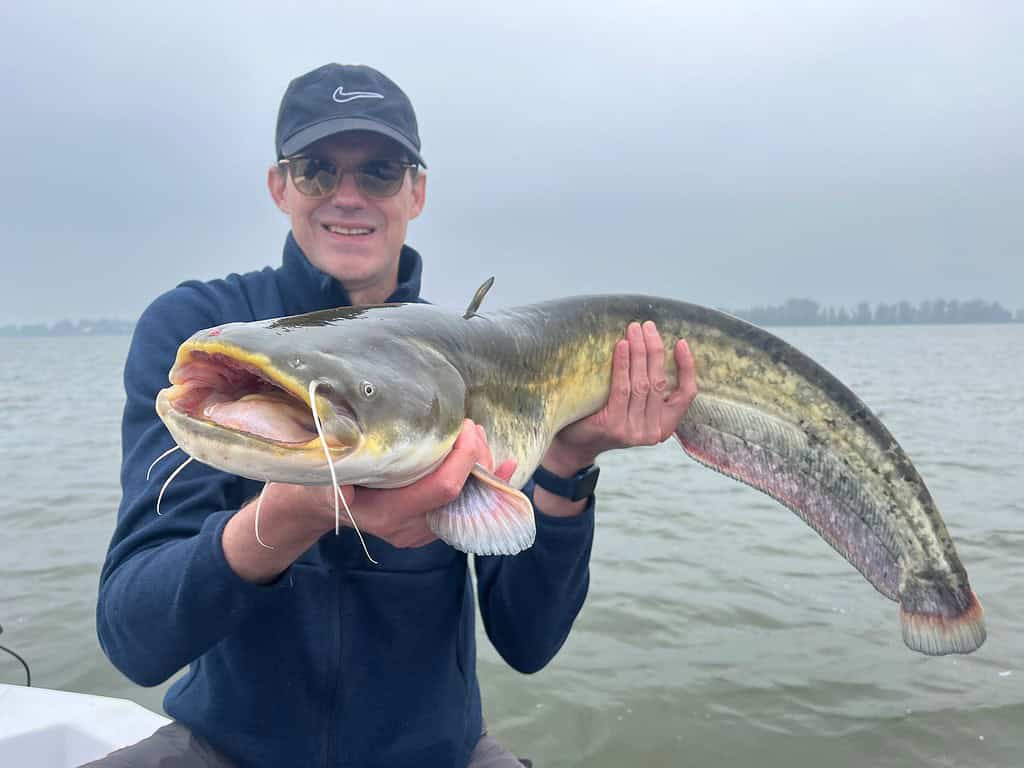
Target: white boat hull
{"x":44,"y":728}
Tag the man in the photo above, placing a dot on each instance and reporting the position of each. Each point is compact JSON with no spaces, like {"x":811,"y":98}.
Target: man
{"x":305,"y":654}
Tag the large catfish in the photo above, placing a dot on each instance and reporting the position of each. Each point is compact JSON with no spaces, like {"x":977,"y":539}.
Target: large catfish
{"x":390,"y":386}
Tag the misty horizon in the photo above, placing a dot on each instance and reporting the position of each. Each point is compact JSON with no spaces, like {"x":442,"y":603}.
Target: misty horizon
{"x":794,"y":311}
{"x":726,"y":156}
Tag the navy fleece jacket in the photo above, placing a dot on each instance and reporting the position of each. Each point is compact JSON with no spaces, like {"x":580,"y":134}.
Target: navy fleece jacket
{"x":338,"y":662}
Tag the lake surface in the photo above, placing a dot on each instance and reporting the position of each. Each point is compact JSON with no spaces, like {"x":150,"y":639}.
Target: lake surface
{"x":719,"y":630}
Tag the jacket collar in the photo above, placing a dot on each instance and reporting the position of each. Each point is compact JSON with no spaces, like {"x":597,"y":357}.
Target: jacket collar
{"x":304,"y":288}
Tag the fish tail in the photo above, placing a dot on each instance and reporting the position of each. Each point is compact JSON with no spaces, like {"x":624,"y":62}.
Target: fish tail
{"x":940,"y":618}
{"x":938,"y":614}
{"x":775,"y":457}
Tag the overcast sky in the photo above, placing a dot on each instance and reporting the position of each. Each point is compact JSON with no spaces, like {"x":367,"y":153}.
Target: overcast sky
{"x":729,"y":154}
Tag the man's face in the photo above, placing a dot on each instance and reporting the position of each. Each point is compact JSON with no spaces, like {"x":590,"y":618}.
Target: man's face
{"x":348,"y":234}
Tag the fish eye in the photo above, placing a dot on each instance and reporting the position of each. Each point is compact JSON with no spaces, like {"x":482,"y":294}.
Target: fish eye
{"x":367,"y":389}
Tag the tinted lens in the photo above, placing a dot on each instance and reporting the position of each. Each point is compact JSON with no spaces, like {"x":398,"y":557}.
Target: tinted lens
{"x":380,"y":178}
{"x":313,"y":176}
{"x":318,"y":177}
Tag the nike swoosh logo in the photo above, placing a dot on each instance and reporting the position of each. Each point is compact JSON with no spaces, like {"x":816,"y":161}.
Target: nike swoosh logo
{"x":341,"y":96}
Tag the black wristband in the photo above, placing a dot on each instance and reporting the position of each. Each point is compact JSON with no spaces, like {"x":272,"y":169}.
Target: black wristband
{"x":579,"y":486}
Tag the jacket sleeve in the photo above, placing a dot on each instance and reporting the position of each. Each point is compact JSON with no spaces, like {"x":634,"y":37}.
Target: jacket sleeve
{"x":166,"y":592}
{"x":529,"y":601}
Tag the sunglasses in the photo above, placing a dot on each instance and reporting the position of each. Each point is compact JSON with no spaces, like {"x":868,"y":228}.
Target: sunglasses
{"x":319,"y":177}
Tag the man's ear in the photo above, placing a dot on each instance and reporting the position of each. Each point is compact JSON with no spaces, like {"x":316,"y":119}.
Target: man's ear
{"x":419,"y":194}
{"x":276,"y":183}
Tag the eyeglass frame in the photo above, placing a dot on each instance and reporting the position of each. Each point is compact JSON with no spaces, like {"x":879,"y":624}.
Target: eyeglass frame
{"x":285,"y":164}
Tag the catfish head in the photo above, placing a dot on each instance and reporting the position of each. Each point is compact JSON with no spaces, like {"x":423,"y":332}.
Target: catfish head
{"x":243,"y":398}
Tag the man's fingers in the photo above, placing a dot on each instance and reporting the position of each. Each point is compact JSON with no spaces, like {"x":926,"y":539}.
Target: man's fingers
{"x":618,"y":401}
{"x":465,"y":454}
{"x":445,"y":483}
{"x":386,"y":513}
{"x":640,"y":385}
{"x":686,"y":389}
{"x":655,"y":356}
{"x":486,"y":458}
{"x":399,"y":514}
{"x":506,"y":469}
{"x":656,"y":376}
{"x":687,"y":386}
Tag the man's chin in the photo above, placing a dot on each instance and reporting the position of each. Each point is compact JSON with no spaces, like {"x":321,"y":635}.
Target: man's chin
{"x":355,"y":267}
{"x":356,"y":254}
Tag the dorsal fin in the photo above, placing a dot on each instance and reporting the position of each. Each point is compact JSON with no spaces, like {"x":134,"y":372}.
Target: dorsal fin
{"x":478,"y":297}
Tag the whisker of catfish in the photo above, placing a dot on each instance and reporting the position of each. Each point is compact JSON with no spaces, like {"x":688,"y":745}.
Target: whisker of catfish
{"x":159,"y":458}
{"x":167,"y":482}
{"x":259,"y":503}
{"x":334,"y":478}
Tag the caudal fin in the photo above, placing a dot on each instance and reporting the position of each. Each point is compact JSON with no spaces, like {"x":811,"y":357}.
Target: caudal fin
{"x":938,"y":619}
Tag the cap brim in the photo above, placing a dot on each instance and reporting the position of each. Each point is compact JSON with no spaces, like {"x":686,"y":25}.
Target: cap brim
{"x":307,"y":136}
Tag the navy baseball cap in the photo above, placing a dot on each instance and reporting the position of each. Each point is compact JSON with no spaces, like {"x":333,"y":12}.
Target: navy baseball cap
{"x":340,"y":97}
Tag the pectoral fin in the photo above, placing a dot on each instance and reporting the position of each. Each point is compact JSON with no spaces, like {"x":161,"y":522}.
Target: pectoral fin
{"x":489,"y":517}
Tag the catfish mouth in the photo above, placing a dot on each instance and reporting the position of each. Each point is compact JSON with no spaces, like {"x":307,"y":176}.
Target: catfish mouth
{"x":250,"y":398}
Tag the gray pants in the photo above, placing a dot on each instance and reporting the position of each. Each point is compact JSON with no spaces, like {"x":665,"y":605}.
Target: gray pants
{"x":175,"y":746}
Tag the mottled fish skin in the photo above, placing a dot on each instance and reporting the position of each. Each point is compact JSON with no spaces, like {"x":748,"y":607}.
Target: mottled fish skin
{"x":766,"y":415}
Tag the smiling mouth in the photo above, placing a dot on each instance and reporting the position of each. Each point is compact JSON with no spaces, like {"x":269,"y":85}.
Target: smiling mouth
{"x":348,"y":231}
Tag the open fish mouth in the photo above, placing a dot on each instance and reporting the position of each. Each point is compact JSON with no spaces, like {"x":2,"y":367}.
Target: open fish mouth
{"x":229,"y":389}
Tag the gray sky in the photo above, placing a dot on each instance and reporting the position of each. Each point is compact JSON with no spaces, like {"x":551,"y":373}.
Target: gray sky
{"x":729,"y":154}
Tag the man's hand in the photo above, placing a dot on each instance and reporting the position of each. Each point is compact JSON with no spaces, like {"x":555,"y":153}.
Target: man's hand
{"x":638,"y":411}
{"x":293,"y":517}
{"x":399,"y":515}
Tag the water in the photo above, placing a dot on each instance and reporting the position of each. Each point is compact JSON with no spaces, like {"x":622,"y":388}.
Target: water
{"x":719,"y":629}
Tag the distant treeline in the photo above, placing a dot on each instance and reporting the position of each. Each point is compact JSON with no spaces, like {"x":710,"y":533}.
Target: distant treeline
{"x":810,"y":312}
{"x":103,"y":327}
{"x":792,"y":312}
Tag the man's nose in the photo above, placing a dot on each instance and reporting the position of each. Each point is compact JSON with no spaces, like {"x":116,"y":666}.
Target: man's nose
{"x":347,"y":194}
